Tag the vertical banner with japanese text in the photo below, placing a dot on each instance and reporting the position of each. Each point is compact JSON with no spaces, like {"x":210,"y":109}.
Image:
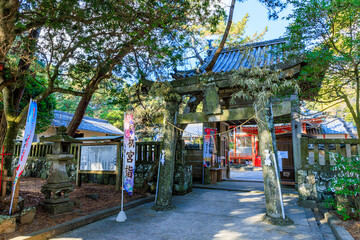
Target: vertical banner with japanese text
{"x":129,"y":153}
{"x":26,"y":143}
{"x":208,"y":145}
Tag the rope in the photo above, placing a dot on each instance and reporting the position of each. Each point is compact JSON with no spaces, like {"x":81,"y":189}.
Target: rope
{"x":220,"y":133}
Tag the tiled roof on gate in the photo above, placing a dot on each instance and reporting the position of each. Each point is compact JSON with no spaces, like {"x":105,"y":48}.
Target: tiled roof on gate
{"x":252,"y":55}
{"x":88,"y":123}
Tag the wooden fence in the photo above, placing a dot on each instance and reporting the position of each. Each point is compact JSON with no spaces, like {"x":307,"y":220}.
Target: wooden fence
{"x":37,"y":150}
{"x":316,"y":152}
{"x":147,"y":152}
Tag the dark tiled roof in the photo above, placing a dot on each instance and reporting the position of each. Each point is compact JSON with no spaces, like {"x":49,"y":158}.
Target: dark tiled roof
{"x":112,"y":138}
{"x":335,"y":126}
{"x":329,"y":124}
{"x":88,"y":123}
{"x":260,"y":54}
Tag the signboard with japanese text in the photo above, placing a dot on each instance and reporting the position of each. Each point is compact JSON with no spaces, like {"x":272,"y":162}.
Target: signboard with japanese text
{"x":129,"y":153}
{"x":208,"y":148}
{"x":98,"y":158}
{"x":281,"y":155}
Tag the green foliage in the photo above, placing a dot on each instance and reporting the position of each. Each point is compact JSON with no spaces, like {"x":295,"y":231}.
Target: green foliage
{"x":324,"y":34}
{"x":346,"y":186}
{"x":236,"y":35}
{"x":109,"y":102}
{"x":45,"y":116}
{"x":261,"y":83}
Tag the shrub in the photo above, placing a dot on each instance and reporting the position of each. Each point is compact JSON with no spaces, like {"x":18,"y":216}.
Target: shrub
{"x":346,"y":186}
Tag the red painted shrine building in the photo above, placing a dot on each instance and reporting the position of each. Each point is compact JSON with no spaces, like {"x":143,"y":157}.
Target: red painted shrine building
{"x":244,"y":144}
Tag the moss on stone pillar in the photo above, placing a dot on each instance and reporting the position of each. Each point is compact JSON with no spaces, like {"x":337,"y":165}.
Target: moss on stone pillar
{"x":166,"y":179}
{"x":211,"y":99}
{"x":268,"y":153}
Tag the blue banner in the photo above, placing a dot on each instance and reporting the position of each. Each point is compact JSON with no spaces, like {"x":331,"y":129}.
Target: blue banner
{"x":26,"y":144}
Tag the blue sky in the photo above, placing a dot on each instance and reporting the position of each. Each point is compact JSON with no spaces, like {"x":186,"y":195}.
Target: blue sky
{"x":259,"y":18}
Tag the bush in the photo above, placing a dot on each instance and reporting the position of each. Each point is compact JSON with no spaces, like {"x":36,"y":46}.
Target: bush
{"x":346,"y":186}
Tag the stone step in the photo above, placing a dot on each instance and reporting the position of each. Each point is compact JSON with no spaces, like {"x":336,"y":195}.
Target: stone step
{"x":324,"y":227}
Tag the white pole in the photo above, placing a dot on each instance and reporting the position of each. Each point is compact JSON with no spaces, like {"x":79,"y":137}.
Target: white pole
{"x":277,"y":175}
{"x":122,"y":216}
{"x":279,"y":186}
{"x":12,"y":198}
{"x":157,"y":182}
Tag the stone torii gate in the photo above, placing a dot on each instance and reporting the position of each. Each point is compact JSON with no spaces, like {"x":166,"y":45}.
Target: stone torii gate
{"x":215,"y":91}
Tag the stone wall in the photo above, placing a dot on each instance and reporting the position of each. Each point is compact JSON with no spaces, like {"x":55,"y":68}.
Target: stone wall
{"x":313,"y":184}
{"x":40,"y":168}
{"x":141,"y":172}
{"x":182,"y":179}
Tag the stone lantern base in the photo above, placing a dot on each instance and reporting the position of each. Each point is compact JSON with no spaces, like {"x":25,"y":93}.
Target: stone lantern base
{"x":56,"y":197}
{"x":59,"y":208}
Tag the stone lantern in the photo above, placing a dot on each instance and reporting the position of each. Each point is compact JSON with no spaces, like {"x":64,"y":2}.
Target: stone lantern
{"x":58,"y":185}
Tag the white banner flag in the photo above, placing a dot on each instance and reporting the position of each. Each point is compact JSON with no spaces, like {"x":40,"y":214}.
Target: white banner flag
{"x":129,"y":153}
{"x":26,"y":144}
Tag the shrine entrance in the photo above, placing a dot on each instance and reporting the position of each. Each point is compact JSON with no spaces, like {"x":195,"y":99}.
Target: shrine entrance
{"x":254,"y":68}
{"x":237,"y":153}
{"x":244,"y":150}
{"x":241,"y":147}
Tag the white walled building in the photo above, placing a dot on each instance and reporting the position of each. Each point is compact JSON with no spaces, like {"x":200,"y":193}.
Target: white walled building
{"x":89,"y":127}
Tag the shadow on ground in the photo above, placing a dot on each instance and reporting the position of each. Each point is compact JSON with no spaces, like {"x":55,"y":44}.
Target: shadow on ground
{"x":202,"y":214}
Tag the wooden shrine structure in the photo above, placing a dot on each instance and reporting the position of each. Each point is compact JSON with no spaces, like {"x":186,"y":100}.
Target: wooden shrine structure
{"x":215,"y":90}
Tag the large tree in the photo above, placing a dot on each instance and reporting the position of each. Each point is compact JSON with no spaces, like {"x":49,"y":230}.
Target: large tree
{"x":326,"y":33}
{"x":78,"y":44}
{"x":40,"y":39}
{"x":151,"y":36}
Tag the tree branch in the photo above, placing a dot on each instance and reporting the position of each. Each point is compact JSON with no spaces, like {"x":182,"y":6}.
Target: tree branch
{"x":223,"y":40}
{"x":68,"y":91}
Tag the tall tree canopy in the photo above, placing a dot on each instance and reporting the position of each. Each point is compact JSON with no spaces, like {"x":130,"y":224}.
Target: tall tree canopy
{"x":78,"y":44}
{"x":326,"y":33}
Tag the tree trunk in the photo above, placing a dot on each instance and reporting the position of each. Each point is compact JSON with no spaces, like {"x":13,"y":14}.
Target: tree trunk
{"x":9,"y":144}
{"x":223,"y":40}
{"x":103,"y":72}
{"x":166,"y":180}
{"x":268,"y":152}
{"x":85,"y":100}
{"x":3,"y":126}
{"x":79,"y":114}
{"x":11,"y":99}
{"x":8,"y":11}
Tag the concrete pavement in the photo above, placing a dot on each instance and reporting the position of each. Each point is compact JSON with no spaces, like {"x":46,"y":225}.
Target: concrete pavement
{"x":255,"y":176}
{"x":204,"y":214}
{"x":243,"y":186}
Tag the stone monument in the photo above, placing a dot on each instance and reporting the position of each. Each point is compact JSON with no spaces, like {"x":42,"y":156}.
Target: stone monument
{"x":58,"y":185}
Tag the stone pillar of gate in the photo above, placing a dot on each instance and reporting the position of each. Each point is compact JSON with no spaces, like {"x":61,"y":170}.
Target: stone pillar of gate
{"x":275,"y":213}
{"x":296,"y":132}
{"x":166,"y":176}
